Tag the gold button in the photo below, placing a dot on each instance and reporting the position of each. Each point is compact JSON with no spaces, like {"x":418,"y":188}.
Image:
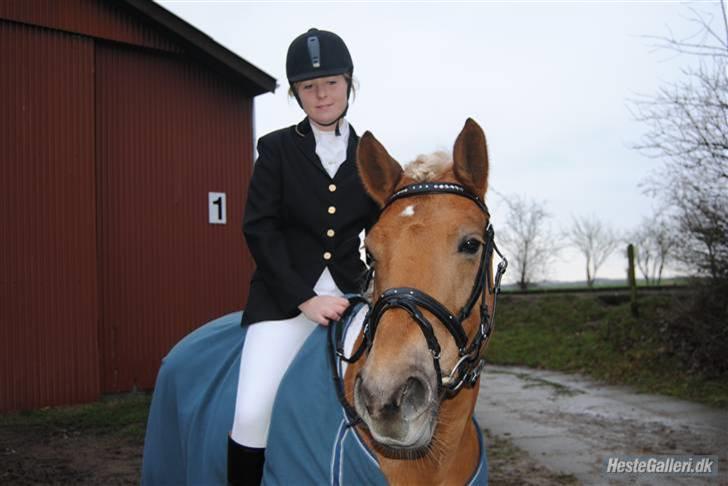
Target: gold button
{"x":327,"y":256}
{"x":332,"y":187}
{"x":330,"y":233}
{"x":332,"y":209}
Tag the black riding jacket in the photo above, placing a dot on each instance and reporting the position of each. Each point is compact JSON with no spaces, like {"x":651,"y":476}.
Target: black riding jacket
{"x":299,"y":220}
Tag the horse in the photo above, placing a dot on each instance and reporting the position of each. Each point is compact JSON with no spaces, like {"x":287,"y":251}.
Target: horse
{"x":401,"y":394}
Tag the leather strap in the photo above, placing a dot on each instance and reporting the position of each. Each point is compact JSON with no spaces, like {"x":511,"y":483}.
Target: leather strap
{"x":427,"y":188}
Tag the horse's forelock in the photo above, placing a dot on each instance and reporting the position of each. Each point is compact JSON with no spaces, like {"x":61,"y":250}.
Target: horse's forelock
{"x":428,"y":167}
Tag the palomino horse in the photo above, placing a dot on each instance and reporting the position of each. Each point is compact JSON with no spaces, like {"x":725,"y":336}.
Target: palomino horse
{"x":436,"y":245}
{"x":405,"y":401}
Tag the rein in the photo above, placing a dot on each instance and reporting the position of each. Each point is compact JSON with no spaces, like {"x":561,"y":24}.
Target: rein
{"x":471,"y":361}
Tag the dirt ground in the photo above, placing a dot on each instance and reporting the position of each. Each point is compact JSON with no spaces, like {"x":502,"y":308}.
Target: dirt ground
{"x":52,"y":455}
{"x":47,"y":454}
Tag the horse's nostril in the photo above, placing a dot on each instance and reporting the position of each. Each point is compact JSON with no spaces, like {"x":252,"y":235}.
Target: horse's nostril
{"x":413,"y":397}
{"x":362,"y":396}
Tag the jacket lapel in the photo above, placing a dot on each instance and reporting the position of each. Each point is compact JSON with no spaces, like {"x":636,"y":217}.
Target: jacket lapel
{"x":350,"y":162}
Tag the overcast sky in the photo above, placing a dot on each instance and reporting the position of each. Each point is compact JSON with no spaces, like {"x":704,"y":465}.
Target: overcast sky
{"x":548,"y":81}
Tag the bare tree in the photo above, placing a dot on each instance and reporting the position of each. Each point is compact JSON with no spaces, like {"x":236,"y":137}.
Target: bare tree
{"x":596,"y":241}
{"x":527,"y":238}
{"x":688,"y":131}
{"x":707,"y":41}
{"x":702,"y":222}
{"x":654,"y":242}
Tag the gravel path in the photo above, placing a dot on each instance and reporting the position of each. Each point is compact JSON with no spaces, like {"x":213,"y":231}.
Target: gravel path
{"x":571,"y":425}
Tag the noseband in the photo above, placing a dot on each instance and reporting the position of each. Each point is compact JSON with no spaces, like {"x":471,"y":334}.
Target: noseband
{"x":467,"y":370}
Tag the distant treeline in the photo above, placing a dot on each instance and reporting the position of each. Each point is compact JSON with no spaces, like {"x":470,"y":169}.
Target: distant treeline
{"x":568,"y":288}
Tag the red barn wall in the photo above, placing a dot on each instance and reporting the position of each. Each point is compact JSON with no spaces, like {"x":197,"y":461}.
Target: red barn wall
{"x":167,"y":134}
{"x":48,"y":287}
{"x":111,"y":139}
{"x":93,"y":18}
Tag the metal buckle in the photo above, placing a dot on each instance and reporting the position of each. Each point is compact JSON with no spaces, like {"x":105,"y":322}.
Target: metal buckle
{"x":474,"y":374}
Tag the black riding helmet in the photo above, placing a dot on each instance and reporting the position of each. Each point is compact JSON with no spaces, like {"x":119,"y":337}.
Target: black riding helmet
{"x":316,"y":54}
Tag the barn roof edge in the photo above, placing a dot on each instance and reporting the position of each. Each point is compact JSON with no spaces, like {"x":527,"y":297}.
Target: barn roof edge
{"x":258,"y":81}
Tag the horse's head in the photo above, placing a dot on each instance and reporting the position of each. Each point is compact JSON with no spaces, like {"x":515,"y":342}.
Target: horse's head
{"x":434,"y":244}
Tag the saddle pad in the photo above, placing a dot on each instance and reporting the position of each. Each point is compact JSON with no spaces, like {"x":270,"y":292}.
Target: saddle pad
{"x":193,"y":407}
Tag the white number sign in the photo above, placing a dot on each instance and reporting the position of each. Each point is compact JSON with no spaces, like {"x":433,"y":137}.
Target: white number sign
{"x":218,"y":211}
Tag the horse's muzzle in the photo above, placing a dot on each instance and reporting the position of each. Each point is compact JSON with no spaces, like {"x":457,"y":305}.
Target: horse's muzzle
{"x":398,"y":415}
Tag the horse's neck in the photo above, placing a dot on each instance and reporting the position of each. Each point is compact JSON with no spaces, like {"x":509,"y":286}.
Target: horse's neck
{"x":454,"y":453}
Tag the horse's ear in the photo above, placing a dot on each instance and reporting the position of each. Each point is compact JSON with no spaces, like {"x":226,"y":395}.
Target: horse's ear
{"x":470,"y":158}
{"x":379,"y":172}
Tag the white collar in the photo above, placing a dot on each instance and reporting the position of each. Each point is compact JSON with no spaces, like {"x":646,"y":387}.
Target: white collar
{"x":328,"y":136}
{"x":331,"y":148}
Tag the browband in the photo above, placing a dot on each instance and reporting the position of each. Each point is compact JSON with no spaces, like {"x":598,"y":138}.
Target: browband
{"x":435,"y":188}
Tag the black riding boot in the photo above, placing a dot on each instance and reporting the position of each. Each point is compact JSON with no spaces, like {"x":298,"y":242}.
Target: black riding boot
{"x":245,"y":464}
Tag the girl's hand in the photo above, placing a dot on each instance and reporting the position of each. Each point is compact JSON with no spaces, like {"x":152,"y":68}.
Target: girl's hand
{"x":323,"y":308}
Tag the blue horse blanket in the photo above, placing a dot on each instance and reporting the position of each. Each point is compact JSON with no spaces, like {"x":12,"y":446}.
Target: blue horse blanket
{"x":310,"y":439}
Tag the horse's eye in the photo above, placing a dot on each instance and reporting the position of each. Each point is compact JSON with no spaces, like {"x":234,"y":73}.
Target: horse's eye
{"x":469,"y":246}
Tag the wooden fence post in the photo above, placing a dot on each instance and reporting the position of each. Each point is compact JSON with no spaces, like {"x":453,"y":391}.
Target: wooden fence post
{"x":632,"y":281}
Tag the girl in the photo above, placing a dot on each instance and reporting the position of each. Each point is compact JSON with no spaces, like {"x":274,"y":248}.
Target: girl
{"x":306,"y":208}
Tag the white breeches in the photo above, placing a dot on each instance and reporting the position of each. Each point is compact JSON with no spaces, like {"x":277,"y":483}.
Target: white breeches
{"x":269,"y":348}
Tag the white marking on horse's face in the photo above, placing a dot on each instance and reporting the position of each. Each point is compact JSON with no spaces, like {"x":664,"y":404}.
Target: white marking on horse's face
{"x":408,"y":211}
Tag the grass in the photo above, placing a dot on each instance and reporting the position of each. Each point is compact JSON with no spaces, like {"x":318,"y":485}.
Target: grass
{"x":598,"y":337}
{"x":123,"y":415}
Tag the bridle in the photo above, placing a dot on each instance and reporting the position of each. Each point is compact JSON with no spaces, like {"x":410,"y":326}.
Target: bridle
{"x":471,"y":361}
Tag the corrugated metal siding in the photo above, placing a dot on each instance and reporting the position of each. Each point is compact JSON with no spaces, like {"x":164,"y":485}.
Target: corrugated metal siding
{"x":92,"y":18}
{"x":48,"y":314}
{"x":168,"y":133}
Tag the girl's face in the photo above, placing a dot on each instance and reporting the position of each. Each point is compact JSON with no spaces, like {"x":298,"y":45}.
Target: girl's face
{"x":323,"y":99}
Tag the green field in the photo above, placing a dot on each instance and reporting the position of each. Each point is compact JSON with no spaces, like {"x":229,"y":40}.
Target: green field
{"x":596,"y":335}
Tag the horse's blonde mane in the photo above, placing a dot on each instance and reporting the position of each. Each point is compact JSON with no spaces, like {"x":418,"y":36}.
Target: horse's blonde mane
{"x":428,"y":167}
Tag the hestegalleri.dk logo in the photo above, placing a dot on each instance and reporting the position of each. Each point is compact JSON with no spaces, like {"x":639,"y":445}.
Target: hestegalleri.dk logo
{"x":669,"y":465}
